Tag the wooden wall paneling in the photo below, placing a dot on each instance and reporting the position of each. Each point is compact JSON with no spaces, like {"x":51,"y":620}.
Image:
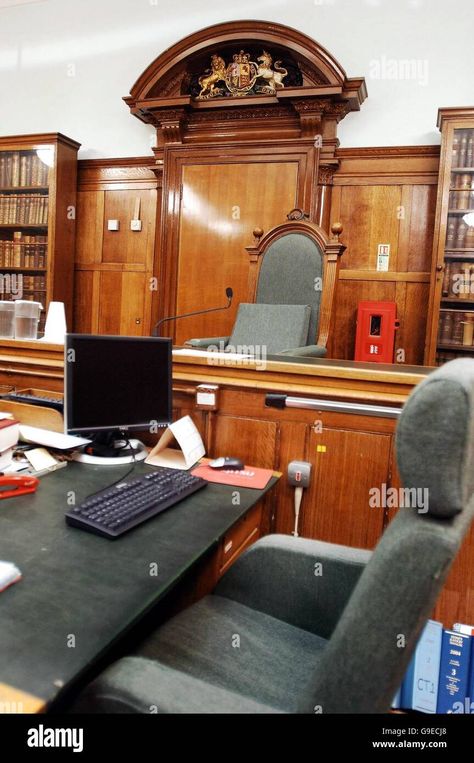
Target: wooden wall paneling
{"x":220,"y":205}
{"x":265,"y":184}
{"x":385,"y":195}
{"x":456,"y":603}
{"x":254,"y":441}
{"x":369,"y":217}
{"x":86,"y":301}
{"x":346,"y":465}
{"x":417,"y":225}
{"x":122,"y":303}
{"x":114,"y":268}
{"x":90,"y":227}
{"x":293,"y":436}
{"x":125,"y":245}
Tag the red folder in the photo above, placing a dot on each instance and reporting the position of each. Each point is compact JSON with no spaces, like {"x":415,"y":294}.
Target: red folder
{"x":249,"y":476}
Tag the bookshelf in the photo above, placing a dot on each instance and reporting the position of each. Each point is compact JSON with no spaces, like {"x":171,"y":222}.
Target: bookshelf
{"x":451,"y":312}
{"x":37,"y":219}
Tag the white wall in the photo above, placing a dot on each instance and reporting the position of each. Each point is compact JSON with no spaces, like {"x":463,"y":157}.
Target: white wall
{"x":106,"y":44}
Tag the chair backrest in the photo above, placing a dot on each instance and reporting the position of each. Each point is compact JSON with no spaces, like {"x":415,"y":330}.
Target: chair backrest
{"x":296,"y":263}
{"x":369,"y":650}
{"x":291,"y":273}
{"x":273,"y":327}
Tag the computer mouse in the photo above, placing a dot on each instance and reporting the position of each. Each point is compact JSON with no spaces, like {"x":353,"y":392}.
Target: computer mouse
{"x":227,"y":462}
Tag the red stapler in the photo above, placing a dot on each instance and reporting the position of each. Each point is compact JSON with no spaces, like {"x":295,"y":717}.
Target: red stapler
{"x":15,"y":484}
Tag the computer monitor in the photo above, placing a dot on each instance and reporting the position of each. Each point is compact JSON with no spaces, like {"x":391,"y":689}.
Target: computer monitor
{"x":114,"y":385}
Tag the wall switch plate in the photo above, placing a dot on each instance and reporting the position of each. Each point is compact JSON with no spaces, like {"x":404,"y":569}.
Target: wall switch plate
{"x":113,"y":224}
{"x":207,"y":397}
{"x":135,"y":225}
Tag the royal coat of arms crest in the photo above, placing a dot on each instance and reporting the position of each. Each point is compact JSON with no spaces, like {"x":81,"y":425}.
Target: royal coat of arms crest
{"x":241,"y":77}
{"x":241,"y":74}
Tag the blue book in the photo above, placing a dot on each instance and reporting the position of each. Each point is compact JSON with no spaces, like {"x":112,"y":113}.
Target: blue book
{"x":420,"y":685}
{"x":469,"y":699}
{"x":454,"y":672}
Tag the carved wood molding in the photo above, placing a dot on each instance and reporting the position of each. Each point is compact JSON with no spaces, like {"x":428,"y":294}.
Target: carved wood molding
{"x":167,"y":94}
{"x":140,"y":171}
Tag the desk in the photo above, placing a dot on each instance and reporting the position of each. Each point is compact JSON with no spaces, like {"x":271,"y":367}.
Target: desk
{"x":80,"y":592}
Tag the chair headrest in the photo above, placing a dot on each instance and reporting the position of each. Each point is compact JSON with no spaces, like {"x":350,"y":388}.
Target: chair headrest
{"x":435,"y":438}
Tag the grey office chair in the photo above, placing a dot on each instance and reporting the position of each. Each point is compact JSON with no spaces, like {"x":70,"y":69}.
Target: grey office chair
{"x":293,"y":272}
{"x":298,"y":625}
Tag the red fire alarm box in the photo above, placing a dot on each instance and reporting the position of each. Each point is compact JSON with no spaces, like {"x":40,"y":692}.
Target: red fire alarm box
{"x":375,"y":336}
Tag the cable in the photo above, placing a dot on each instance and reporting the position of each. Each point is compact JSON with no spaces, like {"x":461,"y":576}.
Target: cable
{"x":123,"y":476}
{"x":298,"y":497}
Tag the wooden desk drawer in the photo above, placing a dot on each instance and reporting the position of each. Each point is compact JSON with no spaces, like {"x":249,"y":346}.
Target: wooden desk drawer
{"x":240,"y":536}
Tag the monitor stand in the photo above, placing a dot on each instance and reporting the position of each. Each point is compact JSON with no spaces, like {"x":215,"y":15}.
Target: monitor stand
{"x":111,"y":448}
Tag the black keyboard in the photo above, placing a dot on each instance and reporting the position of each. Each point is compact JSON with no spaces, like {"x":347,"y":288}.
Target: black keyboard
{"x":49,"y":402}
{"x":115,"y":510}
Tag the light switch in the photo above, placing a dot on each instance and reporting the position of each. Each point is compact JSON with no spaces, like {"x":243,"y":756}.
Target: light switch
{"x":135,"y":225}
{"x":113,"y":224}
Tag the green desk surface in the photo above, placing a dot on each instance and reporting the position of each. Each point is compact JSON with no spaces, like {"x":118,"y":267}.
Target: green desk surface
{"x":79,"y":591}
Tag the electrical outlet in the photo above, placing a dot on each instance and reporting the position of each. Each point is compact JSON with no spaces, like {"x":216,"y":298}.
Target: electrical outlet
{"x":136,"y":225}
{"x":299,"y":473}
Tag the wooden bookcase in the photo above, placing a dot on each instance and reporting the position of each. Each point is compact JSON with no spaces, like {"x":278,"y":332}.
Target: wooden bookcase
{"x":38,"y":175}
{"x":451,"y":313}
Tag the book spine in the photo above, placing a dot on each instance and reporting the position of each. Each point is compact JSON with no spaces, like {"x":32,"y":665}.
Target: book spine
{"x":454,"y":672}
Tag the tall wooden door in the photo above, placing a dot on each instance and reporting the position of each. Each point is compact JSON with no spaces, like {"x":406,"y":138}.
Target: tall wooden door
{"x":221,"y":204}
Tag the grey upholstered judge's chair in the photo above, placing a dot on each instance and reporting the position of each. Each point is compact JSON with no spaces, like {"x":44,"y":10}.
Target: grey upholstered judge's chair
{"x":293,"y":273}
{"x":277,"y":636}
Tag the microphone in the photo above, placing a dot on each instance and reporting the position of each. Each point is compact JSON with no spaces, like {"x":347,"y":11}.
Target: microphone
{"x":229,"y":294}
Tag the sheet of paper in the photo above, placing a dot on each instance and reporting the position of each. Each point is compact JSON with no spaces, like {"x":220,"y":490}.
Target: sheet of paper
{"x":188,"y":439}
{"x":50,"y":439}
{"x":40,"y":459}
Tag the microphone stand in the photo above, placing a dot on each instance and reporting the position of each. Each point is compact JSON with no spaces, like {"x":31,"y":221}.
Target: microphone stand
{"x":229,"y":295}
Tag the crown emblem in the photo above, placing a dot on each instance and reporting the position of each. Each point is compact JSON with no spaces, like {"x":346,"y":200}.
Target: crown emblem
{"x":241,"y":58}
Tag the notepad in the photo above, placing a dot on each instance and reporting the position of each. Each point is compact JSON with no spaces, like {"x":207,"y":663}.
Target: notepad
{"x":9,"y":574}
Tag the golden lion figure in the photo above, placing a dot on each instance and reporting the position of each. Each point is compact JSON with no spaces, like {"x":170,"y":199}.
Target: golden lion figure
{"x":273,"y":77}
{"x":208,"y":81}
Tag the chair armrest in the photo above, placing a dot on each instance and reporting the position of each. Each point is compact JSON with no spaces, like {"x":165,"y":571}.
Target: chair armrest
{"x":305,"y":583}
{"x":140,"y":685}
{"x":310,"y":350}
{"x":204,"y":342}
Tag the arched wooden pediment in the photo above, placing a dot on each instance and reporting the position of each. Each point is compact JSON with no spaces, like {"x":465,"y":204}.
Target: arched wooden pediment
{"x":308,"y":78}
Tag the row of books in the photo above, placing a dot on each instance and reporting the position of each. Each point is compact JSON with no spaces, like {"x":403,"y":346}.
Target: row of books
{"x":23,"y":251}
{"x":456,"y":327}
{"x":18,"y":208}
{"x":463,"y":148}
{"x":20,"y":169}
{"x":459,"y":234}
{"x":458,"y":280}
{"x":443,"y":357}
{"x":33,"y":283}
{"x":26,"y":294}
{"x":440,"y":677}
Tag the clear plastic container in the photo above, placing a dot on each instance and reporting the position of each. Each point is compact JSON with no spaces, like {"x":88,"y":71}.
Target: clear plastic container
{"x":27,"y":315}
{"x":7,"y":319}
